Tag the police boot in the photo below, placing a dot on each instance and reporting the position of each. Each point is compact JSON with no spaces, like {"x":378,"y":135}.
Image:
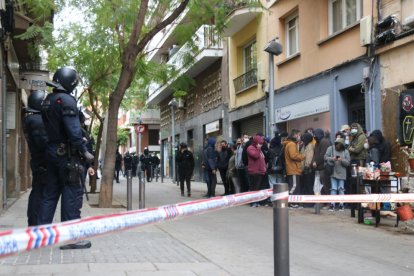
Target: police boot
{"x":79,"y":245}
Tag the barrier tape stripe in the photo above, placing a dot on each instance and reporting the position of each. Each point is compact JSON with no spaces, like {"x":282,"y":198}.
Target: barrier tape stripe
{"x":19,"y":240}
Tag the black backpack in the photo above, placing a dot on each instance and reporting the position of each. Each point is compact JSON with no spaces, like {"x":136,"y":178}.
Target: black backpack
{"x":276,"y":164}
{"x":245,"y":159}
{"x":281,"y":161}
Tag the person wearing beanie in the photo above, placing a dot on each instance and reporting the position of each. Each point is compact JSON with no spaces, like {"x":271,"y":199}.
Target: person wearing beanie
{"x":338,"y":157}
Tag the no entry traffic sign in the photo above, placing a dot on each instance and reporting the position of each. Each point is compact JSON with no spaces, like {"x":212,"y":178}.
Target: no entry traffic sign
{"x":140,"y":128}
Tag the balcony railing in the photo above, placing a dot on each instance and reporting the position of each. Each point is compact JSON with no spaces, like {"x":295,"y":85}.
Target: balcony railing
{"x":245,"y":81}
{"x":204,"y":38}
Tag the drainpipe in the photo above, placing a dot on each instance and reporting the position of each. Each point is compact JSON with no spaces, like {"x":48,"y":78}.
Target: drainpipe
{"x":335,"y":103}
{"x":3,"y":128}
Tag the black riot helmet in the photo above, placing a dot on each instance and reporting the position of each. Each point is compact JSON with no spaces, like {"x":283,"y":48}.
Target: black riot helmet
{"x":35,"y":99}
{"x":65,"y":79}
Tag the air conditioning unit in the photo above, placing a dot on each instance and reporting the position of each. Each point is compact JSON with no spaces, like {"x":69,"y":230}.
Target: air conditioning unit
{"x":409,"y":21}
{"x":173,"y":49}
{"x":365,"y":31}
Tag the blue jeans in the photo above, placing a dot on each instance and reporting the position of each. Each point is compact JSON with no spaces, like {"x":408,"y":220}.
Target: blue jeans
{"x":337,"y":188}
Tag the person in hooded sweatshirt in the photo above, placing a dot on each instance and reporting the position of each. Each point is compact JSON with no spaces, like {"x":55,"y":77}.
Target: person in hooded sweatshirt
{"x":210,"y":161}
{"x":357,"y":150}
{"x":256,"y":167}
{"x":338,"y":156}
{"x":318,"y":164}
{"x":308,"y":175}
{"x":380,"y":146}
{"x":293,"y":162}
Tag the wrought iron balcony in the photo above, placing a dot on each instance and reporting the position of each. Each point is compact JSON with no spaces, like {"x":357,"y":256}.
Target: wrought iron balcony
{"x":245,"y":81}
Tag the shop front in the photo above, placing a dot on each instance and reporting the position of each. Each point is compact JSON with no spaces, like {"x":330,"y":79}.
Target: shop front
{"x":340,"y":95}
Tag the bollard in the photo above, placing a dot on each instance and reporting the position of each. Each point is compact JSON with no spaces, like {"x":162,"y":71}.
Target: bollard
{"x":317,"y":207}
{"x":129,"y":190}
{"x":281,"y":231}
{"x":141,"y":185}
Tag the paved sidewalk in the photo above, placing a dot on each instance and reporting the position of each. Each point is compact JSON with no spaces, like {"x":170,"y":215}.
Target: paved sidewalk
{"x":233,"y":241}
{"x":146,"y":250}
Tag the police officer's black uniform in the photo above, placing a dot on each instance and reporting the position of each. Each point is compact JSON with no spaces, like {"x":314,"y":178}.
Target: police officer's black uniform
{"x":64,"y":150}
{"x":36,"y":137}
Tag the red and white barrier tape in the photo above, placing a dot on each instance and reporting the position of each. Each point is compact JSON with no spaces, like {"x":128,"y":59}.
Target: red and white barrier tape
{"x":26,"y":239}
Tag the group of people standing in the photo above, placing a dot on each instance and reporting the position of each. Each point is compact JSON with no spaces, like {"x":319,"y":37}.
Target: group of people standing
{"x":308,"y":161}
{"x":130,"y":162}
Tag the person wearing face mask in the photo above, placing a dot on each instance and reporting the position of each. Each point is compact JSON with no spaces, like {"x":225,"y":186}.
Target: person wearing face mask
{"x":293,"y":161}
{"x":356,"y":148}
{"x":345,"y":129}
{"x":257,"y":165}
{"x":224,"y":155}
{"x":339,"y":157}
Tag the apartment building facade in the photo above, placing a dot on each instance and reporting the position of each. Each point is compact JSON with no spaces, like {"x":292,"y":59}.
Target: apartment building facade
{"x":19,"y":74}
{"x":394,"y":47}
{"x":202,"y":111}
{"x":326,"y":76}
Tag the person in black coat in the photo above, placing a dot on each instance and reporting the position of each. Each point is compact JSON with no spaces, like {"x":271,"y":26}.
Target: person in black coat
{"x":185,"y":163}
{"x":118,"y":165}
{"x":224,"y":154}
{"x":127,"y":162}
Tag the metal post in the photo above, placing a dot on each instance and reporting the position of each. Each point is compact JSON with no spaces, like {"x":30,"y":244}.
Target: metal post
{"x":162,"y":163}
{"x":173,"y":141}
{"x":129,"y":190}
{"x":271,"y":96}
{"x":141,"y":182}
{"x":281,"y":231}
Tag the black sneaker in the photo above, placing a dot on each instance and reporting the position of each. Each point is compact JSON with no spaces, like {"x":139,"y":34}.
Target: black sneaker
{"x":341,"y":208}
{"x":293,"y":206}
{"x":79,"y":245}
{"x":331,"y":208}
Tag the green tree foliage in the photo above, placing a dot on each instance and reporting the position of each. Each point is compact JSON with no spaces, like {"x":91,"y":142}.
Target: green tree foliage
{"x":109,"y":51}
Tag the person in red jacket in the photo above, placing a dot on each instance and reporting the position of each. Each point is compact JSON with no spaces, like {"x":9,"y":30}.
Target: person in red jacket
{"x":256,"y":167}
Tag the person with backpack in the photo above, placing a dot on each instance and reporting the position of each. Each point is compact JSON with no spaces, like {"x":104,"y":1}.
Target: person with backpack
{"x":275,"y":166}
{"x":293,"y":160}
{"x":240,"y":165}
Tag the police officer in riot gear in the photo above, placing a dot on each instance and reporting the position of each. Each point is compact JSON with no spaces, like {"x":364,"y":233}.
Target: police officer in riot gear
{"x":64,"y":150}
{"x":36,"y":137}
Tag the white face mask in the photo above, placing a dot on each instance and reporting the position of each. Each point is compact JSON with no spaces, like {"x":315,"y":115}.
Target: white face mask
{"x":354,"y":131}
{"x":366,"y":146}
{"x":246,"y":140}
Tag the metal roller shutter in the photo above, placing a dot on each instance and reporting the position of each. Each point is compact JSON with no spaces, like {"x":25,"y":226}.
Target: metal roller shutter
{"x":252,"y":125}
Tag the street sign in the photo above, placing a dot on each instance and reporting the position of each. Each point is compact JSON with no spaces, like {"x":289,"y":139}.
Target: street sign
{"x":140,"y":128}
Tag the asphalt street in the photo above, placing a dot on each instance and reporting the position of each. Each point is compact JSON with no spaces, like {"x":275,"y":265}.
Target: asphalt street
{"x":234,"y":241}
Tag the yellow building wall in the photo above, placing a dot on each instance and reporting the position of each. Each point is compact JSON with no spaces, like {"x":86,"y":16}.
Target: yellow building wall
{"x":394,"y":68}
{"x":254,"y":30}
{"x":317,"y":50}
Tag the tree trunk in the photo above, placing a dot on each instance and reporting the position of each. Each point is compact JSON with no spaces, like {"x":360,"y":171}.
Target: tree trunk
{"x":92,"y":180}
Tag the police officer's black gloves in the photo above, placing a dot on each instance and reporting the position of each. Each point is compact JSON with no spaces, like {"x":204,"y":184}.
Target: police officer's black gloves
{"x":88,"y":157}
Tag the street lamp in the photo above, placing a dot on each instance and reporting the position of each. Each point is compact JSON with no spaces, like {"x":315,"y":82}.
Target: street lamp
{"x":274,"y":48}
{"x":173,"y":104}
